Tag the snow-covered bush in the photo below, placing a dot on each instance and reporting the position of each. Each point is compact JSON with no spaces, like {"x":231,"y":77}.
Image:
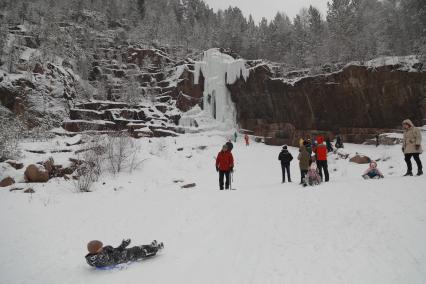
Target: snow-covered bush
{"x":121,"y":151}
{"x":11,"y":131}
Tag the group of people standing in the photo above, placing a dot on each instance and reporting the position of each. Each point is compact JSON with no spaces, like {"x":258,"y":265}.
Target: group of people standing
{"x":313,"y":162}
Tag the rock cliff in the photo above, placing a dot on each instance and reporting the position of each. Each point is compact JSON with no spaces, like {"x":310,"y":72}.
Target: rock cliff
{"x":358,"y":101}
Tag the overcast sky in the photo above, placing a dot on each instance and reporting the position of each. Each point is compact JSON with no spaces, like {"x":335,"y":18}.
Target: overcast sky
{"x":268,"y":8}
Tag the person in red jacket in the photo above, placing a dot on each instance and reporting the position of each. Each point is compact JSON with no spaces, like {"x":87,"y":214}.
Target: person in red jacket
{"x":246,"y":138}
{"x":321,"y":157}
{"x":224,"y":165}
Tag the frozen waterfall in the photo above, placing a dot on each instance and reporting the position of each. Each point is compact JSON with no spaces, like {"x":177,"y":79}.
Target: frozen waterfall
{"x":218,"y":70}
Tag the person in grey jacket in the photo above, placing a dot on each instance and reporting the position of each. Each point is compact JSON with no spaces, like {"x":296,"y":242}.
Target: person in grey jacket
{"x":412,"y":147}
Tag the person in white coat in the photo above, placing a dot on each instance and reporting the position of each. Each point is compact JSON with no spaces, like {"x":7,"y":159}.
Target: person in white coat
{"x":412,"y":147}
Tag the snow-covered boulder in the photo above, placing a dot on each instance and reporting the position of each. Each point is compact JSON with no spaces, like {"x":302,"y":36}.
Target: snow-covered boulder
{"x":360,"y":159}
{"x":6,"y":182}
{"x":36,"y":173}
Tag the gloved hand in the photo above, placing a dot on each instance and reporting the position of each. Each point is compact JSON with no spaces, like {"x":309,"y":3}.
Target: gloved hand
{"x":417,"y":147}
{"x":217,"y":169}
{"x":403,"y":149}
{"x":232,"y":169}
{"x":125,"y":243}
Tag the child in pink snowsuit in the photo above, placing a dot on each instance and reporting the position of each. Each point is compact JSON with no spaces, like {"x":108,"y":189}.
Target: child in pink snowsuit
{"x":373,"y":172}
{"x":313,"y":177}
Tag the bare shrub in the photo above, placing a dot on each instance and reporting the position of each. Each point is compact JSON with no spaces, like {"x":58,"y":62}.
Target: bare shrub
{"x":89,"y":167}
{"x":121,"y":151}
{"x":10,"y":134}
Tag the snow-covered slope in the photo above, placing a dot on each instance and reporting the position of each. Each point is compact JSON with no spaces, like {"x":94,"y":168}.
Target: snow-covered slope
{"x":347,"y":231}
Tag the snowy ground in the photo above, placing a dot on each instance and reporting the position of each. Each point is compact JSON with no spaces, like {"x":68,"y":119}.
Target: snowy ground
{"x":346,"y":231}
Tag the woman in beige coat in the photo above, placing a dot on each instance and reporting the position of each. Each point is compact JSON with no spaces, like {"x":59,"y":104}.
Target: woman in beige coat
{"x":412,"y":146}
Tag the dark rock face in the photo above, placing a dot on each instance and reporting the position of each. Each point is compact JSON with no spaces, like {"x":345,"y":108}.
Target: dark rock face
{"x":8,"y":97}
{"x":188,"y":93}
{"x":83,"y":125}
{"x":139,"y":56}
{"x":356,"y":102}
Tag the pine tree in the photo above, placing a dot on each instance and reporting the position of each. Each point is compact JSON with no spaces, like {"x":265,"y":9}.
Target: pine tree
{"x":280,"y":37}
{"x":251,"y":40}
{"x":414,"y":17}
{"x":341,"y":30}
{"x":141,"y":8}
{"x":301,"y":46}
{"x":316,"y":35}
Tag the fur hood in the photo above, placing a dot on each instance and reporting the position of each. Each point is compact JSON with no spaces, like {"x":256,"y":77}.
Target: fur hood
{"x":409,"y":122}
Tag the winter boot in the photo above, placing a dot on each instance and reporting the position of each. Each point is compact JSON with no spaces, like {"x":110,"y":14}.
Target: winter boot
{"x":408,"y":174}
{"x":419,"y":173}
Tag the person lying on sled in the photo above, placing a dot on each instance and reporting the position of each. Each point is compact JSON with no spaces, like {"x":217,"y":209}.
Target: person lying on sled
{"x":100,"y":256}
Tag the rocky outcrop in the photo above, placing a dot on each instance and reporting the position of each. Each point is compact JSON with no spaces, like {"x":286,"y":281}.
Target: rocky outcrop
{"x":358,"y":102}
{"x":159,"y":120}
{"x":15,"y":164}
{"x":29,"y":190}
{"x":37,"y":97}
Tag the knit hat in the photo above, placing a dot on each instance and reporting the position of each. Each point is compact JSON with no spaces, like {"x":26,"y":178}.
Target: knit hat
{"x":94,"y":246}
{"x":285,"y":147}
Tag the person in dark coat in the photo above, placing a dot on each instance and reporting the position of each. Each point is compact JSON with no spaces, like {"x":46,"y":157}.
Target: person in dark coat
{"x":285,"y":157}
{"x":328,"y":144}
{"x":224,"y":165}
{"x":308,"y":147}
{"x":339,"y":142}
{"x":100,"y":256}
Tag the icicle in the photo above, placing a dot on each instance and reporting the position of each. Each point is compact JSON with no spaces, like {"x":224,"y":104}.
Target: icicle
{"x":218,"y":70}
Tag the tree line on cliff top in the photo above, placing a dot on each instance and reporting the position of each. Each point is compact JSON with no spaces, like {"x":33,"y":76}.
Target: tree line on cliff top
{"x":350,"y":30}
